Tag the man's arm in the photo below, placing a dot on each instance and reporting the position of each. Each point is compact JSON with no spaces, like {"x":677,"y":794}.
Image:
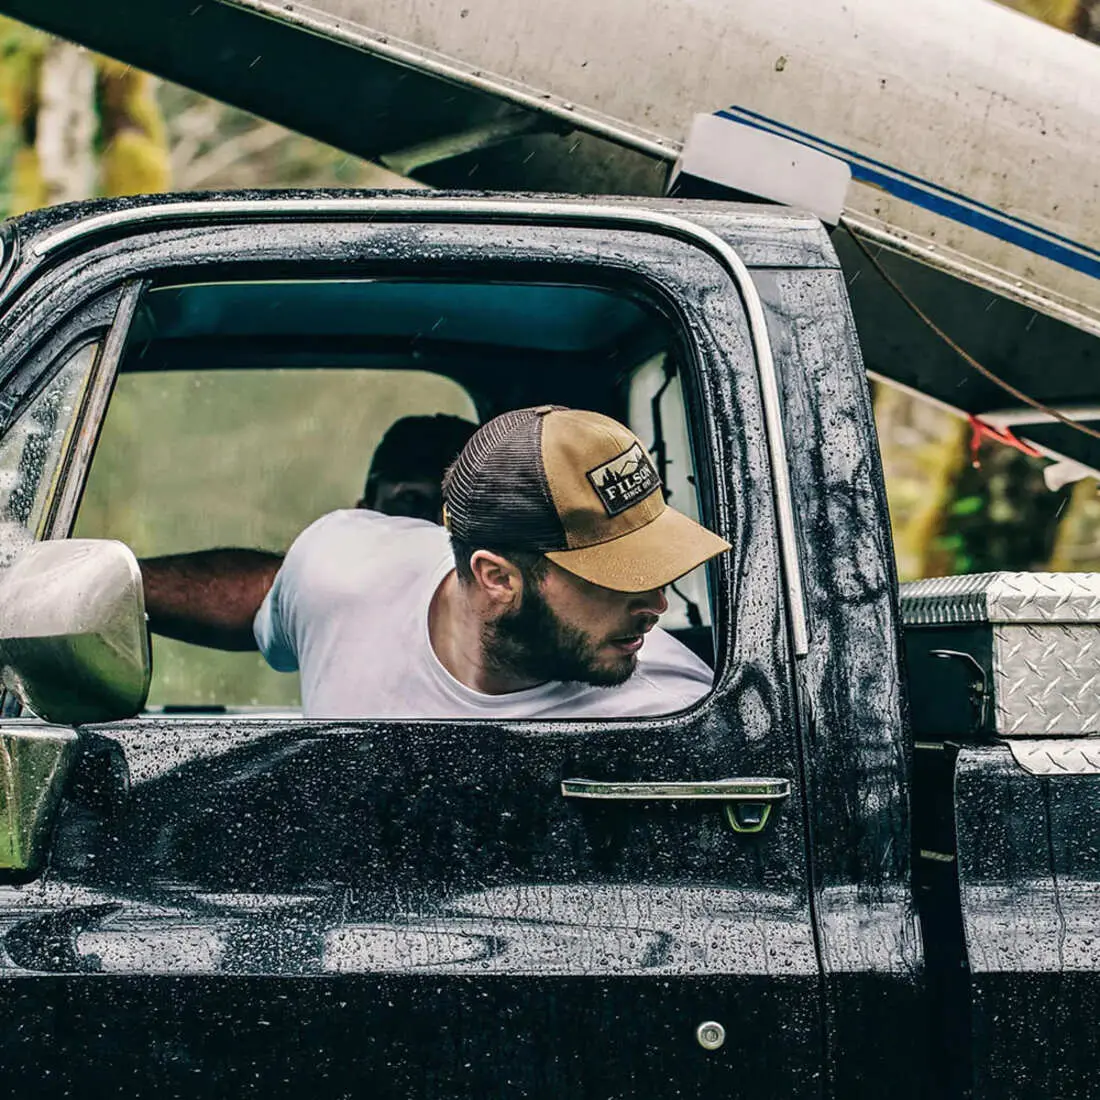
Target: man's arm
{"x":208,"y":597}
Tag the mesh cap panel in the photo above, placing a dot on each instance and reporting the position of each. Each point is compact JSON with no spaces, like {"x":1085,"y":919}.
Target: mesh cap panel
{"x":496,"y":492}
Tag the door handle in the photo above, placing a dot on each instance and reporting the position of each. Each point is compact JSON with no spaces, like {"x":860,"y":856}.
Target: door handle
{"x":748,"y":802}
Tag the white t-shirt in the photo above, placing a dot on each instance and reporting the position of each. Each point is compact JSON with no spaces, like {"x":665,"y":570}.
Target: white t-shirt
{"x":349,"y":611}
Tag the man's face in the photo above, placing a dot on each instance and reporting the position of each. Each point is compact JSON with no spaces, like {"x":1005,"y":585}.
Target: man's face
{"x":420,"y":498}
{"x":568,"y":629}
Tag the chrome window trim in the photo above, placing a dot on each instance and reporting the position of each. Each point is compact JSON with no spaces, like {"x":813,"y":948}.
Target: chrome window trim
{"x":547,"y":213}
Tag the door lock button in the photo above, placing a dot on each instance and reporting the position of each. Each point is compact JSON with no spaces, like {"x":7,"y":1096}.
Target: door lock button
{"x":711,"y":1035}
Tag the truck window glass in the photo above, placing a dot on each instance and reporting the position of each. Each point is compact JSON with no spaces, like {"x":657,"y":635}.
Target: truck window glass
{"x":31,"y":452}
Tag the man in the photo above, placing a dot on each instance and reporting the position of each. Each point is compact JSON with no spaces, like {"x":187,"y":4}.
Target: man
{"x":543,"y":603}
{"x":209,"y":597}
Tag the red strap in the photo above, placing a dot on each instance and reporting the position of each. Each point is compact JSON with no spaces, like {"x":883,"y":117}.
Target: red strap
{"x":980,"y":430}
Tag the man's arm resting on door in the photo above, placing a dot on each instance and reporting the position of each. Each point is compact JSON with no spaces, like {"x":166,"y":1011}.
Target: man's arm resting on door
{"x":208,"y":597}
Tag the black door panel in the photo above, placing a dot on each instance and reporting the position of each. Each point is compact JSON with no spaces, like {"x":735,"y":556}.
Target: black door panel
{"x":433,"y":916}
{"x":853,"y":715}
{"x":394,"y":1036}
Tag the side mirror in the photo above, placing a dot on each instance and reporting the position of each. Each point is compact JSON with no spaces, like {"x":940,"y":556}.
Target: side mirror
{"x":74,"y":644}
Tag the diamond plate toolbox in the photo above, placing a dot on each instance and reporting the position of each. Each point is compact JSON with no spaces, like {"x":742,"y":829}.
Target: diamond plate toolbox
{"x":1004,"y":654}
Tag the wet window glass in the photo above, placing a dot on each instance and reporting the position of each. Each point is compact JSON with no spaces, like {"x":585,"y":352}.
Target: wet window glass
{"x":31,"y":452}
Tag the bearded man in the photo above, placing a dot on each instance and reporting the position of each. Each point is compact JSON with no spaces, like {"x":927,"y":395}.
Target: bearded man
{"x":539,"y":598}
{"x":542,"y":602}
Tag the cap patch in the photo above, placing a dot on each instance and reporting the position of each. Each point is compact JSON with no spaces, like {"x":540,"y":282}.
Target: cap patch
{"x":625,"y":480}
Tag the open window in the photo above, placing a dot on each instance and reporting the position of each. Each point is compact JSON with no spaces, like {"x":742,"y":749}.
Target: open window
{"x":245,"y":410}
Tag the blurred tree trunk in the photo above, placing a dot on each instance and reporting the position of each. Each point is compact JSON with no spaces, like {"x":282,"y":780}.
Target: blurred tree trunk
{"x":1088,"y":20}
{"x":1058,"y":13}
{"x":21,"y":50}
{"x":1080,"y":17}
{"x":76,"y":125}
{"x":65,"y":123}
{"x":1077,"y":547}
{"x":919,"y":442}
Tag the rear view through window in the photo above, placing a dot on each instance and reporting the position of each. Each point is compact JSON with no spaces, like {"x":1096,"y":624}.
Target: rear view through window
{"x":245,"y":413}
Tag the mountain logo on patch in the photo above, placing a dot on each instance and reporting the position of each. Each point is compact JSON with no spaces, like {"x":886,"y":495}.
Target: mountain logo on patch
{"x":625,"y":480}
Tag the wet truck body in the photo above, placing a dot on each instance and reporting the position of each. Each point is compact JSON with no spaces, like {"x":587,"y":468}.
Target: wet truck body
{"x":790,"y":890}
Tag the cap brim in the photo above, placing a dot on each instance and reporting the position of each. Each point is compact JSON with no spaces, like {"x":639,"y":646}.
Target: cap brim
{"x":650,"y":557}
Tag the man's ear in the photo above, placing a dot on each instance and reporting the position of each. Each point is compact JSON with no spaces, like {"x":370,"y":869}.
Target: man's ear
{"x":497,"y":577}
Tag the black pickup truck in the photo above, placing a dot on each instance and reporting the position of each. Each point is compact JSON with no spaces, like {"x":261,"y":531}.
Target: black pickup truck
{"x":782,"y":892}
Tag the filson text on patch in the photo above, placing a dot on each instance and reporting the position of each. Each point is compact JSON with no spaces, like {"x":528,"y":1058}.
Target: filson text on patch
{"x":625,"y":480}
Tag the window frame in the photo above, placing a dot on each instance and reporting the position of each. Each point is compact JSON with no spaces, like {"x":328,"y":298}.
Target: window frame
{"x":529,"y":240}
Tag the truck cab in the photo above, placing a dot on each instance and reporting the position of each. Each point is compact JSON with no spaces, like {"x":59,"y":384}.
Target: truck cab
{"x":206,"y":893}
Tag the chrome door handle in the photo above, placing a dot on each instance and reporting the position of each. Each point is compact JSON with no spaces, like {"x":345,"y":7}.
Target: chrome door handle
{"x":721,"y":790}
{"x":748,"y":801}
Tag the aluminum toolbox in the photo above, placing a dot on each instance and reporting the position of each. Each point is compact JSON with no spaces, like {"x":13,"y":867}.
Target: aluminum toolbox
{"x":1004,"y":654}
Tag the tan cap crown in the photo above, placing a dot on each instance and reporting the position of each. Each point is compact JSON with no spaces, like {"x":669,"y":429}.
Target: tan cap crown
{"x":579,"y":487}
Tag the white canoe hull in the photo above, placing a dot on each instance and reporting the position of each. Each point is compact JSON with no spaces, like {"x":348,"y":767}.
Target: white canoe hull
{"x":972,"y":132}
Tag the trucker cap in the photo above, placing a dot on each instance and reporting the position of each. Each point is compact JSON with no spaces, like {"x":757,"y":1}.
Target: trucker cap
{"x":578,"y":487}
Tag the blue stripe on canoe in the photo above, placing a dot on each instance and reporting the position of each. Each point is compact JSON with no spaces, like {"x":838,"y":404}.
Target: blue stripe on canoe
{"x":939,"y":200}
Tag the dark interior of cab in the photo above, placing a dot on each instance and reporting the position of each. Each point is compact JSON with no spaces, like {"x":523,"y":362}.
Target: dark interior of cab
{"x":244,"y":410}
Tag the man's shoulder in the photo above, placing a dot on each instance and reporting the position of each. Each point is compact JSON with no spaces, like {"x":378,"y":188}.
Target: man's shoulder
{"x":664,"y":655}
{"x":353,"y":550}
{"x":363,"y":521}
{"x":361,"y":529}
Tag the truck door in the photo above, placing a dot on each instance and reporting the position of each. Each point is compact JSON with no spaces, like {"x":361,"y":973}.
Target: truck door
{"x":238,"y":900}
{"x":856,"y":735}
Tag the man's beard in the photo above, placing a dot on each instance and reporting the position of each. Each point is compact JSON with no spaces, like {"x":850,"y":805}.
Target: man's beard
{"x":533,"y":643}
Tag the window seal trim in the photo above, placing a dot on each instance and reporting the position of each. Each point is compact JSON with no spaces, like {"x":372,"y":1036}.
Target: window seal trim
{"x":76,"y":463}
{"x":531,"y":212}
